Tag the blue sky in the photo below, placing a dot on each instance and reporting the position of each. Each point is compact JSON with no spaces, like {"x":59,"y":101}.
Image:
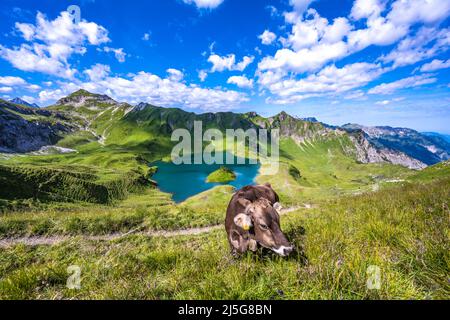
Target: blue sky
{"x":373,"y":62}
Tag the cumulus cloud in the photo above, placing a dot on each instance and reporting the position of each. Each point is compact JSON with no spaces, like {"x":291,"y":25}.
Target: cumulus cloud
{"x":408,"y":12}
{"x":410,"y":82}
{"x":5,"y":89}
{"x":300,"y":5}
{"x":267,"y":37}
{"x":118,"y":53}
{"x":241,"y":81}
{"x":12,"y":81}
{"x":435,"y":65}
{"x":98,"y":72}
{"x":228,"y":62}
{"x":33,"y":87}
{"x":148,"y":87}
{"x":49,"y":44}
{"x":425,"y":43}
{"x":202,"y":75}
{"x":330,"y":80}
{"x":314,"y":42}
{"x":205,"y":4}
{"x":367,"y":8}
{"x":175,"y":75}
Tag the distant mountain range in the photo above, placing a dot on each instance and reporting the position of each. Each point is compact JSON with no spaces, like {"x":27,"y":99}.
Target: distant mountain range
{"x":23,"y":102}
{"x":446,"y":137}
{"x":429,"y":149}
{"x":24,"y":128}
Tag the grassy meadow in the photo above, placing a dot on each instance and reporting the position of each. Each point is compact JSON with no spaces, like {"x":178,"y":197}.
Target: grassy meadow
{"x":344,"y":217}
{"x":404,"y":230}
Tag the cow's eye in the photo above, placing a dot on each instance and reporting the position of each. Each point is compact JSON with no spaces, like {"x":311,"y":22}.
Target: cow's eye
{"x":263,"y":226}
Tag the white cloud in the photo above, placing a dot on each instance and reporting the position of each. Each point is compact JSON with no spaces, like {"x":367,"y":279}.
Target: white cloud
{"x":33,"y":87}
{"x":330,"y":80}
{"x":417,"y":48}
{"x":12,"y":81}
{"x":146,"y":37}
{"x":267,"y":37}
{"x":386,"y":102}
{"x":241,"y":81}
{"x":312,"y":43}
{"x":175,"y":75}
{"x":205,"y":4}
{"x":300,"y":5}
{"x":410,"y":82}
{"x":63,"y":30}
{"x":51,"y":43}
{"x":5,"y":89}
{"x":305,"y":59}
{"x":118,"y":53}
{"x":367,"y":8}
{"x":229,"y":63}
{"x":435,"y":65}
{"x":28,"y":99}
{"x":202,"y":75}
{"x":408,"y":12}
{"x":355,"y":95}
{"x":35,"y":59}
{"x":153,"y":89}
{"x":246,"y":61}
{"x":383,"y":103}
{"x":98,"y":72}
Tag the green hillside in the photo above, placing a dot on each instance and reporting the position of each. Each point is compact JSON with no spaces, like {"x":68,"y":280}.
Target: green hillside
{"x":96,"y":206}
{"x":406,"y":236}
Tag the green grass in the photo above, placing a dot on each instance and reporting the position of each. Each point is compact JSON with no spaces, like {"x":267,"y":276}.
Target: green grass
{"x":104,"y":188}
{"x":147,"y":210}
{"x":402,"y":230}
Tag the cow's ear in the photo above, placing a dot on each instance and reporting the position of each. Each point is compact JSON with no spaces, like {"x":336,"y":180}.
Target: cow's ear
{"x":243,"y":221}
{"x":278,"y":207}
{"x":268,"y":185}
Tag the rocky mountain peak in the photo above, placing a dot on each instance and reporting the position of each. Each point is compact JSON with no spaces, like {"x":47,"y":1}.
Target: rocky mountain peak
{"x":23,"y":102}
{"x":83,"y":97}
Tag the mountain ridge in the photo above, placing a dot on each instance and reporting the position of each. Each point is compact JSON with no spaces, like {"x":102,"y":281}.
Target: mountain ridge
{"x":101,"y":116}
{"x":20,"y":101}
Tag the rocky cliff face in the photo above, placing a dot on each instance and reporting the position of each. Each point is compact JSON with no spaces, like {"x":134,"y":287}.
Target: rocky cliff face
{"x":24,"y":129}
{"x":366,"y":152}
{"x":427,"y":149}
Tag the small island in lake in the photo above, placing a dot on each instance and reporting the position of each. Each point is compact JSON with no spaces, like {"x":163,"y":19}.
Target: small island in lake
{"x":222,"y":175}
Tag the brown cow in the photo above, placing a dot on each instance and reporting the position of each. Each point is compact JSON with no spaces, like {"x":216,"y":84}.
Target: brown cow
{"x":253,"y":218}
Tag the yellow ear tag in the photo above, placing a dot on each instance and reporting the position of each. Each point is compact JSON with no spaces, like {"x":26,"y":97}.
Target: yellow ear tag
{"x":246,"y":227}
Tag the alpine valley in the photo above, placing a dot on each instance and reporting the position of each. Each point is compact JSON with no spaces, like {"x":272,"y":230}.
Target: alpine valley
{"x":76,"y":188}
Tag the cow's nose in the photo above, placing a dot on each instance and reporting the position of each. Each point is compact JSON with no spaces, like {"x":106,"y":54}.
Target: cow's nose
{"x":287,"y":251}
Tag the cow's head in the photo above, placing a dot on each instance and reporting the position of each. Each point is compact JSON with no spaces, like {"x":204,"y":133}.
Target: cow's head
{"x":262,"y":220}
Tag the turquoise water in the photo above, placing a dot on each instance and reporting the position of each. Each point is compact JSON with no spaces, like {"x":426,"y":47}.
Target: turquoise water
{"x":184,"y":181}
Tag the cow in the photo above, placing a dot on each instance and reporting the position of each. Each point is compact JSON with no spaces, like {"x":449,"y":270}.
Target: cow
{"x":253,"y":218}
